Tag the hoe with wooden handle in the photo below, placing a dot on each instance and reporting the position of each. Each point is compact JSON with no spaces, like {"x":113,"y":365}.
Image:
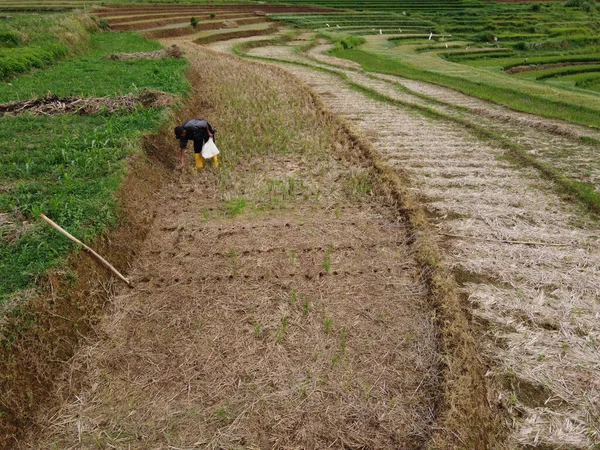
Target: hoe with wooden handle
{"x":88,"y":250}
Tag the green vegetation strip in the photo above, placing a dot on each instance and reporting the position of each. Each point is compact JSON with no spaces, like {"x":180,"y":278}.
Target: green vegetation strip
{"x":69,"y":166}
{"x":519,"y":100}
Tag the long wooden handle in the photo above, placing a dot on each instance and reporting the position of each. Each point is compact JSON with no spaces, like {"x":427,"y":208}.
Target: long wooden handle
{"x":88,"y":250}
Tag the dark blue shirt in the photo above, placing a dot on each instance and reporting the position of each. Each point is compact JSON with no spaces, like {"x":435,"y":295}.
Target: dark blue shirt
{"x":196,"y":130}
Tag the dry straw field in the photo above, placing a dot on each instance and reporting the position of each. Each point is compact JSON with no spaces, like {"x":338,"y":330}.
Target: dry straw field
{"x":373,"y":265}
{"x":526,"y":260}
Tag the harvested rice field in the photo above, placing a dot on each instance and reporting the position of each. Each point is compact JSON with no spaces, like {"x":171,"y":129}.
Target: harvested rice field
{"x":525,"y":259}
{"x":377,"y":261}
{"x":259,"y":318}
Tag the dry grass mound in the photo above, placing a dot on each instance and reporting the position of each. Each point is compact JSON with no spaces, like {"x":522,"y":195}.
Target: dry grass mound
{"x":170,"y":52}
{"x":230,"y":24}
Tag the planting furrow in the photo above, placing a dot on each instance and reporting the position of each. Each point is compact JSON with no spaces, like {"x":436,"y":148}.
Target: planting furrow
{"x":528,"y":262}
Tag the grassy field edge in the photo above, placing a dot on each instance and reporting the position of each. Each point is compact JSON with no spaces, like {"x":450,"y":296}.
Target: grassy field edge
{"x":45,"y":331}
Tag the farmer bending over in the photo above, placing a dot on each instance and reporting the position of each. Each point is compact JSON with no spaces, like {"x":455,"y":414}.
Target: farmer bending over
{"x":197,"y":130}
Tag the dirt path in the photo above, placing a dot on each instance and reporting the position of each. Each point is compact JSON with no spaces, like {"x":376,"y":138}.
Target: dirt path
{"x":277,"y":302}
{"x":537,"y":303}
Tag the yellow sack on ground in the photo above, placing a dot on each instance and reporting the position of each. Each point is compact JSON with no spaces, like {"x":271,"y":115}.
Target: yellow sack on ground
{"x":209,"y":149}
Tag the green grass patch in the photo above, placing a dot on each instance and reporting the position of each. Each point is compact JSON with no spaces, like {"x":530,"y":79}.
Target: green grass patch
{"x":69,"y":166}
{"x":92,"y":75}
{"x":235,"y":206}
{"x":36,"y":40}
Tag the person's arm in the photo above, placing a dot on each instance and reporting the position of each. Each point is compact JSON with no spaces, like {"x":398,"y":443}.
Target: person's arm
{"x":182,"y":146}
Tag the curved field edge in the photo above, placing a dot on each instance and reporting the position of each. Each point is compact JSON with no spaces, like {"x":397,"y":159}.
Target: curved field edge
{"x":465,"y":417}
{"x":48,"y":318}
{"x":518,"y":100}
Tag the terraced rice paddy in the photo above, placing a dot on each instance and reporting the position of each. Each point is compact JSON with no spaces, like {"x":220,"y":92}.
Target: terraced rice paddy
{"x":342,"y":337}
{"x":166,"y":22}
{"x":492,"y":36}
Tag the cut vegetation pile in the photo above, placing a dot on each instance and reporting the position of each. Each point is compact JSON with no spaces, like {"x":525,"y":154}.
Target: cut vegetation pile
{"x":170,"y":52}
{"x":51,"y":104}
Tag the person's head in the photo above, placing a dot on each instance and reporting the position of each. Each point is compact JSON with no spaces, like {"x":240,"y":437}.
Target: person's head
{"x":179,"y":132}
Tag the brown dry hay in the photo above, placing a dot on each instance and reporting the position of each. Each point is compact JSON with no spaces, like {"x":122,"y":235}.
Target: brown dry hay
{"x":161,"y":33}
{"x":553,"y":128}
{"x":11,"y":226}
{"x":170,"y":52}
{"x":530,"y":67}
{"x":465,"y":419}
{"x":230,"y":24}
{"x":51,"y":104}
{"x":224,"y":342}
{"x":537,"y":306}
{"x":51,"y":319}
